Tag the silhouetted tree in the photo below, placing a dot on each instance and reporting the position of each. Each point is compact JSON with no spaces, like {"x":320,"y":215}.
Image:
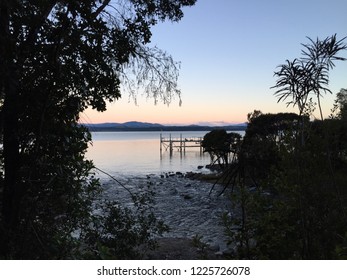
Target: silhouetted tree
{"x":219,"y":144}
{"x":340,"y":106}
{"x":56,"y":59}
{"x":299,"y":78}
{"x":309,"y":75}
{"x":266,"y":135}
{"x":290,"y":180}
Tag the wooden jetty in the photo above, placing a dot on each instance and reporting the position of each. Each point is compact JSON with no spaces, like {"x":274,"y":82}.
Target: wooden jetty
{"x":170,"y":143}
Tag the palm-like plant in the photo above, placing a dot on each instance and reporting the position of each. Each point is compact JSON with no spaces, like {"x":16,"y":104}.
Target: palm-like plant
{"x":299,"y":78}
{"x":293,"y":84}
{"x":320,"y":56}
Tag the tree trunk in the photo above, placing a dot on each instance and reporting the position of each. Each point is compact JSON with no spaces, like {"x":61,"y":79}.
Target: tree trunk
{"x":10,"y":94}
{"x":11,"y":152}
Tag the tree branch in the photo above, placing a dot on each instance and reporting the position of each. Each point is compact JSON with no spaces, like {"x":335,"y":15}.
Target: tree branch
{"x":101,"y":8}
{"x":37,"y":25}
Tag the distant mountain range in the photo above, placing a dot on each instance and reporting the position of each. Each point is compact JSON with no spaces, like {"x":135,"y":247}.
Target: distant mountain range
{"x":144,"y":126}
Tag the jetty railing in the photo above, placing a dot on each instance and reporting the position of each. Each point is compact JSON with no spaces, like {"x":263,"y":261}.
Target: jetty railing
{"x":181,"y":143}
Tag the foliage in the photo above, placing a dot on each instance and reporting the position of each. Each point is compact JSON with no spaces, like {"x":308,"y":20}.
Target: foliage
{"x":291,"y":207}
{"x":299,"y":78}
{"x":266,"y":135}
{"x":219,"y":144}
{"x":289,"y":183}
{"x":290,"y":195}
{"x":56,"y":59}
{"x":340,"y":106}
{"x":118,"y":232}
{"x":201,"y":246}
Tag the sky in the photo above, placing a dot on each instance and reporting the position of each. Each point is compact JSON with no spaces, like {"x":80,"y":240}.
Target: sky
{"x":229,"y":50}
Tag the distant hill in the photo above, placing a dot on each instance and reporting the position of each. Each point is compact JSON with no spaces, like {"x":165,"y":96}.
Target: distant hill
{"x":135,"y":124}
{"x":144,"y":126}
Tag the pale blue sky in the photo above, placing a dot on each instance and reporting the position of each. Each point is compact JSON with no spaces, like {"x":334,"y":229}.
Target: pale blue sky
{"x":229,"y":50}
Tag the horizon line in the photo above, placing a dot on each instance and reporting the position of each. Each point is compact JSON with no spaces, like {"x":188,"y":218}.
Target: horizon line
{"x":212,"y":123}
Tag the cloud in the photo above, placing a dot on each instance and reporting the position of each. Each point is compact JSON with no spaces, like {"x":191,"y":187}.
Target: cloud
{"x":215,"y":123}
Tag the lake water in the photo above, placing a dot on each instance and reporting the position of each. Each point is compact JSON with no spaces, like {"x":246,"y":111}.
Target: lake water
{"x":138,"y":153}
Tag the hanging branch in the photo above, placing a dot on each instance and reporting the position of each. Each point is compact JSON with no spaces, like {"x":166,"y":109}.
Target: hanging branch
{"x":114,"y":179}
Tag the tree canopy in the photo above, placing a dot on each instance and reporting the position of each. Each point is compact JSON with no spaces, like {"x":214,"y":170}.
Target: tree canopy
{"x":309,"y":75}
{"x":56,"y":59}
{"x":289,"y":179}
{"x":219,"y":144}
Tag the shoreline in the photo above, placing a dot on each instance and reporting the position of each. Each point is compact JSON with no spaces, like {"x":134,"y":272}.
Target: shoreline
{"x":183,"y":203}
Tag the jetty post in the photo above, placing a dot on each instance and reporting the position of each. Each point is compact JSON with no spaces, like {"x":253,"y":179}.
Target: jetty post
{"x":181,"y":143}
{"x":161,"y":144}
{"x":201,"y":150}
{"x":170,"y":146}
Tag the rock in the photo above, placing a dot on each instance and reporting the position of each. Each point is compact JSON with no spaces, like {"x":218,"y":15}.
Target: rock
{"x":215,"y":247}
{"x":200,"y":167}
{"x":252,"y":243}
{"x":187,"y":196}
{"x":192,"y":175}
{"x":219,"y":254}
{"x":173,"y":191}
{"x":213,"y":167}
{"x":229,"y":251}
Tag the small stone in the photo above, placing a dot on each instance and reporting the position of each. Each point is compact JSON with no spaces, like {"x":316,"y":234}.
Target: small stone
{"x":173,"y":192}
{"x":219,"y":254}
{"x":215,"y":247}
{"x":228,"y":252}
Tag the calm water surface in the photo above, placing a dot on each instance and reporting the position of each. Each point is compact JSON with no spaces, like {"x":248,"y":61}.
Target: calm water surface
{"x":138,"y":153}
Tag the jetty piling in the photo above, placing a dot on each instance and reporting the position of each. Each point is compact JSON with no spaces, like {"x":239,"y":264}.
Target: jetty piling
{"x":181,"y":144}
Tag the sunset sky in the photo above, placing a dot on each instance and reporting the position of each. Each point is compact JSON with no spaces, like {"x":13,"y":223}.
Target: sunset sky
{"x":229,"y":50}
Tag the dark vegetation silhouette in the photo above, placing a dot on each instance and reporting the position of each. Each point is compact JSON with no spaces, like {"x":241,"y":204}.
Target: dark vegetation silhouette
{"x":288,"y":179}
{"x":286,"y":202}
{"x":220,"y":145}
{"x":56,"y":59}
{"x":288,"y":173}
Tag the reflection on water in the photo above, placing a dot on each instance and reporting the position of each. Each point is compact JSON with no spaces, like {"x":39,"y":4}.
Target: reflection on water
{"x":139,"y":153}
